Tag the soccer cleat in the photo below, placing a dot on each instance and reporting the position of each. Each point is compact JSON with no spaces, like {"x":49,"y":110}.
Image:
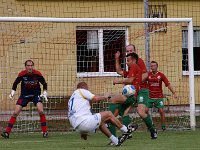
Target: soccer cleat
{"x":111,"y":143}
{"x":163,"y":128}
{"x":130,"y":136}
{"x":154,"y":134}
{"x":45,"y":135}
{"x":118,"y":144}
{"x":122,"y":138}
{"x":5,"y":135}
{"x":133,"y":127}
{"x":125,"y":136}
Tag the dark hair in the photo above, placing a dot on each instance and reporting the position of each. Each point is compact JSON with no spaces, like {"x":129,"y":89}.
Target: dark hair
{"x":154,"y":62}
{"x":133,"y":47}
{"x":28,"y":61}
{"x":134,"y":56}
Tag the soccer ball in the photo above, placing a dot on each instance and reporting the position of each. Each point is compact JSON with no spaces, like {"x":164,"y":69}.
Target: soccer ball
{"x":128,"y":90}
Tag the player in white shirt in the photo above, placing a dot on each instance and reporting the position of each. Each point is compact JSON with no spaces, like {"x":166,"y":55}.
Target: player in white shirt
{"x":84,"y":122}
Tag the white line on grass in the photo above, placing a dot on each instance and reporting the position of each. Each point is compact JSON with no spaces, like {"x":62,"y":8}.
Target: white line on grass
{"x":32,"y":141}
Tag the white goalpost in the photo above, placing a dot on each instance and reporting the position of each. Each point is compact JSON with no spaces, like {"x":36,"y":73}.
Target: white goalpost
{"x":64,"y":80}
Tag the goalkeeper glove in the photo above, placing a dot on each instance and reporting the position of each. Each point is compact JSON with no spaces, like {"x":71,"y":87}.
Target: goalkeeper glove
{"x":44,"y":95}
{"x":11,"y":96}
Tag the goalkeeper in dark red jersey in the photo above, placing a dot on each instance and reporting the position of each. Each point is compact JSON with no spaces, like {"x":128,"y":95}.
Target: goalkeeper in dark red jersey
{"x":30,"y":92}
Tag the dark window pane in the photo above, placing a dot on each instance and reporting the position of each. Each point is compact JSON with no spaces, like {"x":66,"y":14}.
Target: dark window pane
{"x":185,"y":59}
{"x":113,"y":41}
{"x":87,"y":59}
{"x":196,"y":52}
{"x":196,"y":58}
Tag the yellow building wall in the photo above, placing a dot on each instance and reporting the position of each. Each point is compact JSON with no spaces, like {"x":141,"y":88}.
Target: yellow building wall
{"x":53,"y":46}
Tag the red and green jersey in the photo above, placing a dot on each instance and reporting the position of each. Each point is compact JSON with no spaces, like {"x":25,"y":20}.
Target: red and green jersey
{"x":134,"y":71}
{"x":143,"y":68}
{"x":155,"y":84}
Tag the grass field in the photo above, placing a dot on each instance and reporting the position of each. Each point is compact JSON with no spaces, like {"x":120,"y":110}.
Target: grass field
{"x":169,"y":140}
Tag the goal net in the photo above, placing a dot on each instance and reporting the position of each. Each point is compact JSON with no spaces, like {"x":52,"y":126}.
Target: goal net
{"x":69,"y":50}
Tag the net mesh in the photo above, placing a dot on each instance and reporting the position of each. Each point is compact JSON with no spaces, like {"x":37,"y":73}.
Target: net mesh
{"x":67,"y":53}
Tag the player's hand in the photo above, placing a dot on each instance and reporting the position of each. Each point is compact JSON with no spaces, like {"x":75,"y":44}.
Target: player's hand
{"x":44,"y":95}
{"x":84,"y":136}
{"x":11,"y":96}
{"x":115,"y":81}
{"x":175,"y":96}
{"x":107,"y":95}
{"x":117,"y":55}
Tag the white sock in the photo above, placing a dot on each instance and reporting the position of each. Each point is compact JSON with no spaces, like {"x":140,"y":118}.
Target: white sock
{"x":124,"y":128}
{"x":114,"y":139}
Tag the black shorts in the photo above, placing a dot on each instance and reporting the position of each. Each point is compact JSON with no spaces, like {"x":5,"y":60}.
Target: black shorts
{"x":25,"y":99}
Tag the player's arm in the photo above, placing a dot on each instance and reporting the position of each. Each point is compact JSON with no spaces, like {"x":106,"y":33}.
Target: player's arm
{"x":44,"y":83}
{"x":97,"y":98}
{"x":144,"y":76}
{"x":117,"y":64}
{"x":89,"y":96}
{"x":14,"y":87}
{"x":170,"y":87}
{"x":143,"y":67}
{"x":16,"y":82}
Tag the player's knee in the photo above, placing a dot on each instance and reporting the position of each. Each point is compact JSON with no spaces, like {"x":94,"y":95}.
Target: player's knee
{"x":141,"y":111}
{"x":15,"y":114}
{"x":40,"y":112}
{"x":109,"y":114}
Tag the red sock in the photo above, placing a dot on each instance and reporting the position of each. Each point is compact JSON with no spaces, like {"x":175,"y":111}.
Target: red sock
{"x":10,"y":124}
{"x":43,"y":123}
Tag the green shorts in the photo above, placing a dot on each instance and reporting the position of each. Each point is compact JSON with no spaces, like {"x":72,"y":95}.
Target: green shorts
{"x":130,"y":101}
{"x":143,"y":98}
{"x":158,"y":103}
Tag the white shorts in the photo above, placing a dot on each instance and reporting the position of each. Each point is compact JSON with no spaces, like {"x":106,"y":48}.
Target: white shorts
{"x":90,"y":124}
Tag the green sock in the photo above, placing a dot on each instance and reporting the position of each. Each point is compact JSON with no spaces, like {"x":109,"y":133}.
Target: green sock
{"x":149,"y":123}
{"x":112,"y":129}
{"x":126,"y":120}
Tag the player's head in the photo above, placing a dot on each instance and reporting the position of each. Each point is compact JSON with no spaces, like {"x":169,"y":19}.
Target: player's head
{"x":131,"y":59}
{"x":82,"y":85}
{"x":130,"y":49}
{"x":154,"y":66}
{"x":29,"y":64}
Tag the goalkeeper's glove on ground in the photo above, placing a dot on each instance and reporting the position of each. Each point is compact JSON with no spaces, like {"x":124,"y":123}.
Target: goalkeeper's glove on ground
{"x":11,"y":96}
{"x":44,"y":95}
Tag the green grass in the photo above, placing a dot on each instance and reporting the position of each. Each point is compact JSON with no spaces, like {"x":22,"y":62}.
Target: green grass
{"x":169,"y":140}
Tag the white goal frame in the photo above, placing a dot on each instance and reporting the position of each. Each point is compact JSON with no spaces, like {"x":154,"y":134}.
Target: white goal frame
{"x":130,"y":20}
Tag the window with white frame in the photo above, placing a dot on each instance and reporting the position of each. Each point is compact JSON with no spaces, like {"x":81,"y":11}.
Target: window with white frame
{"x":96,"y":48}
{"x":196,"y":51}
